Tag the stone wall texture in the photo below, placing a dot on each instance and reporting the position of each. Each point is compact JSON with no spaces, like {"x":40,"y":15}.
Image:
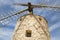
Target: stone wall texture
{"x":37,"y":24}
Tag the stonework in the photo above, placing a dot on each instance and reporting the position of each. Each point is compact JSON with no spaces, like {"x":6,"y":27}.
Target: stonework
{"x":36,"y":24}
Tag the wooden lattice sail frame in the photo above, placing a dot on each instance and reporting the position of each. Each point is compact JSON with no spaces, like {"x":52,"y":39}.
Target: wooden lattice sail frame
{"x":37,"y":28}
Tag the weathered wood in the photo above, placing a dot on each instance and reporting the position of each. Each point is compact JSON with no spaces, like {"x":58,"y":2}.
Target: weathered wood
{"x":37,"y":24}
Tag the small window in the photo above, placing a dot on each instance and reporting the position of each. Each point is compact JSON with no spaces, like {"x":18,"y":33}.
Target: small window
{"x":40,"y":19}
{"x":20,"y":19}
{"x":28,"y":33}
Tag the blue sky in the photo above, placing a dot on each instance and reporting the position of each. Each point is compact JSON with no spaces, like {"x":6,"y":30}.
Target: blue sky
{"x":52,"y":16}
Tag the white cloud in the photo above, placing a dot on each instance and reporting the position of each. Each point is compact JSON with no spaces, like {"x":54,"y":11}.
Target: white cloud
{"x":55,"y":17}
{"x":53,"y":27}
{"x":11,"y":24}
{"x":5,"y":2}
{"x":55,"y":38}
{"x":5,"y":33}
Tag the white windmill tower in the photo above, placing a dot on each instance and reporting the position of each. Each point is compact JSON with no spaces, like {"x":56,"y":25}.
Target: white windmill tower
{"x":30,"y":26}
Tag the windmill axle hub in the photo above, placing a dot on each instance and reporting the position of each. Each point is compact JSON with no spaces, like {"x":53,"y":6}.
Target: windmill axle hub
{"x":30,"y":8}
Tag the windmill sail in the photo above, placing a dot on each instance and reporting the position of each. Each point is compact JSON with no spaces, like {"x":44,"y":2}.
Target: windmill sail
{"x":38,"y":6}
{"x":6,"y":17}
{"x":13,"y":15}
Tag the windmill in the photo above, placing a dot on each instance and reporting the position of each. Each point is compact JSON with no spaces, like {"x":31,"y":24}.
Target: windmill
{"x":30,"y":26}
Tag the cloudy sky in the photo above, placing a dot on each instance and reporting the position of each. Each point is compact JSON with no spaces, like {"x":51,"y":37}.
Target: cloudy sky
{"x":52,"y":16}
